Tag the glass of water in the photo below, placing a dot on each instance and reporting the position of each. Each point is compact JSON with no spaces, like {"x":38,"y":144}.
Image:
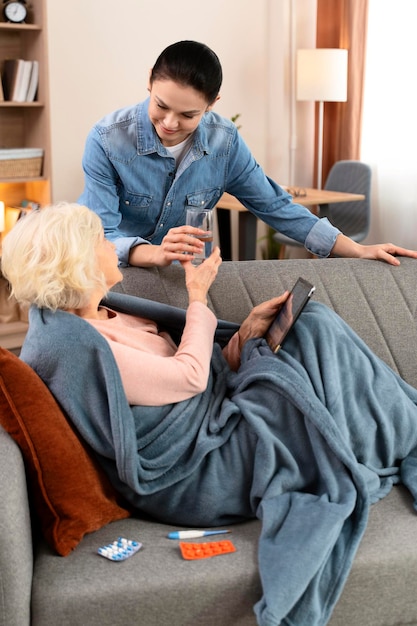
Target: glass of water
{"x":203,"y":219}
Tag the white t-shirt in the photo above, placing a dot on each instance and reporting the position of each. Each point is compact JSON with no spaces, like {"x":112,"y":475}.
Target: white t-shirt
{"x":180,"y":150}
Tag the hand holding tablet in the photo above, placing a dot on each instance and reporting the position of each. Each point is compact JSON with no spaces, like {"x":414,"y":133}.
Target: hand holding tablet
{"x":288,"y":314}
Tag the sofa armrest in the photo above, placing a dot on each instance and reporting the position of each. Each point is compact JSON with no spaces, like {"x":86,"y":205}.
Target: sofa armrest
{"x":16,"y":551}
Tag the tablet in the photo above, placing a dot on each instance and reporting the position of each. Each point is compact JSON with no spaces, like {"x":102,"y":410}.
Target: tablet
{"x":288,"y":314}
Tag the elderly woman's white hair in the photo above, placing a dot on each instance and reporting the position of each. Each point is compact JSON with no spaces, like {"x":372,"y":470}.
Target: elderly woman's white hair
{"x":49,"y":257}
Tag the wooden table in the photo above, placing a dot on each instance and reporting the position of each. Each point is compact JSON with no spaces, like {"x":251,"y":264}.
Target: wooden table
{"x":320,"y":198}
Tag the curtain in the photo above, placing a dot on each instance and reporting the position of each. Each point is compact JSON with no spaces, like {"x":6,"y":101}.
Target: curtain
{"x":343,"y":24}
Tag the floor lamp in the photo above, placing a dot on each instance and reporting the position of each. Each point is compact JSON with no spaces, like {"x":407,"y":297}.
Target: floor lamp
{"x":322,"y":77}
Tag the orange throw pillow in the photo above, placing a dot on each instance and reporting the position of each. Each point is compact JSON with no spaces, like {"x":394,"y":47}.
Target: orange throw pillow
{"x":71,"y":494}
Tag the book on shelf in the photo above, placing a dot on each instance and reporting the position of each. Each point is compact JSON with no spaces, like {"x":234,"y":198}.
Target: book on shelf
{"x":20,"y":80}
{"x":13,"y":71}
{"x":23,"y":82}
{"x":33,"y":82}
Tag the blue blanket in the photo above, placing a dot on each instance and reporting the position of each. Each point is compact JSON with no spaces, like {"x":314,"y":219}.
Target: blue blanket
{"x":304,"y":440}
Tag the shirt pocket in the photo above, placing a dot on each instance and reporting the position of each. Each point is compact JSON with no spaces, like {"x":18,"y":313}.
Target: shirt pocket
{"x":134,"y":201}
{"x":139,"y":214}
{"x":205,"y":198}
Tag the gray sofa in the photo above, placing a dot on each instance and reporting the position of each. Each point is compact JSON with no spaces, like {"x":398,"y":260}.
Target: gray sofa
{"x":157,"y":587}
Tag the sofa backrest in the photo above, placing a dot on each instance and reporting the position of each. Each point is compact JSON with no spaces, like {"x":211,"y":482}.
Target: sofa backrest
{"x":378,"y":300}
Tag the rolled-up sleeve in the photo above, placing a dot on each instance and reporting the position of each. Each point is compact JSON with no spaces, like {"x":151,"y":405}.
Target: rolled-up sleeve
{"x":124,"y":245}
{"x":321,"y":238}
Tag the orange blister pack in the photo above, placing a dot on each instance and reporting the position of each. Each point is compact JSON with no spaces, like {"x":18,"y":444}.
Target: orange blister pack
{"x":192,"y":551}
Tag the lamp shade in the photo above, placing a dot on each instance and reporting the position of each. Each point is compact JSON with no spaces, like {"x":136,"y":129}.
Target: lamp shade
{"x":322,"y":74}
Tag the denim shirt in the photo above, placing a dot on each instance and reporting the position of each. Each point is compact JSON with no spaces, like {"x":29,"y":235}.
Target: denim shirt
{"x":132,"y":183}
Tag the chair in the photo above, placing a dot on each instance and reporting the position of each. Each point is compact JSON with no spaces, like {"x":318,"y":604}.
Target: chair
{"x":352,"y":218}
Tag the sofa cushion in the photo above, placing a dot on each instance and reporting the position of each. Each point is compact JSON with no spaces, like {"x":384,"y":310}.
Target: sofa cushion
{"x":71,"y":494}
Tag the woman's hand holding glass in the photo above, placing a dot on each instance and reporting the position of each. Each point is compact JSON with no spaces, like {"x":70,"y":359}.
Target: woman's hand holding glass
{"x":176,"y":243}
{"x":194,"y":239}
{"x":182,"y":240}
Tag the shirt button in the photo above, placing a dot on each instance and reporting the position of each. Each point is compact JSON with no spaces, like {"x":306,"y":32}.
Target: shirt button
{"x":127,"y":202}
{"x":169,"y":203}
{"x":161,"y":225}
{"x":202,"y":202}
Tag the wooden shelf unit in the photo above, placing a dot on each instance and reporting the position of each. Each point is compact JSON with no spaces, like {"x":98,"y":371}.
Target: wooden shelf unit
{"x":25,"y":125}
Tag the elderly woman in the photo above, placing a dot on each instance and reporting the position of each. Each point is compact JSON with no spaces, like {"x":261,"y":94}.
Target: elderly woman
{"x":196,"y":434}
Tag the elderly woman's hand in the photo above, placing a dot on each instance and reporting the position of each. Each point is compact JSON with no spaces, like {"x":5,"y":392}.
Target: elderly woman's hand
{"x":198,"y":279}
{"x":260,"y":319}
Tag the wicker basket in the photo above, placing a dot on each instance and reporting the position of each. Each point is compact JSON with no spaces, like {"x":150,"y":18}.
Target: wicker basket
{"x":21,"y":168}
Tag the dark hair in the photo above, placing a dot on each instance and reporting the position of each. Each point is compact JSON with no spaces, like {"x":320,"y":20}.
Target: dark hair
{"x":191,"y":64}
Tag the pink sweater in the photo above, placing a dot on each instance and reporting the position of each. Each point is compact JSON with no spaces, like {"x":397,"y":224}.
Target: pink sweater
{"x":153,"y":369}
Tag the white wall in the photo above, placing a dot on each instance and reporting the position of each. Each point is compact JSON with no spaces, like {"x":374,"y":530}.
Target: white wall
{"x":100,"y":54}
{"x":389,"y":127}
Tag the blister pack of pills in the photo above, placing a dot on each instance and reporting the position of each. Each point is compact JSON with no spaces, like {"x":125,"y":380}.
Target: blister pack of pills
{"x":191,"y":551}
{"x":119,"y":550}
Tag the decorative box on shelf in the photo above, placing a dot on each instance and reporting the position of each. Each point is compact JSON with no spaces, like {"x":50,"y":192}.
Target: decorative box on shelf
{"x":21,"y":162}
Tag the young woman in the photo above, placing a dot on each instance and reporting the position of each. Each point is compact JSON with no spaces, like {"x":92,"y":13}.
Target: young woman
{"x":196,"y":435}
{"x":145,"y":164}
